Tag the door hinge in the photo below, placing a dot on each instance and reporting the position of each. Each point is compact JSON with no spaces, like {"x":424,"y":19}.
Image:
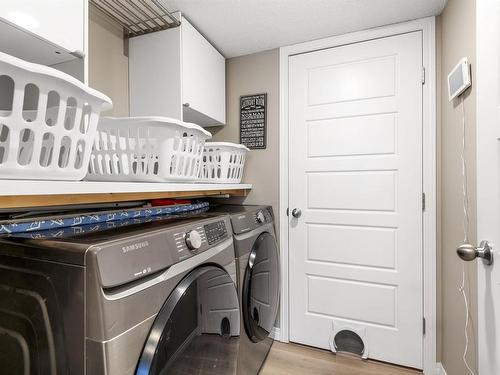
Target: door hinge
{"x":423,"y":326}
{"x":423,"y":75}
{"x":423,"y":201}
{"x":287,"y":211}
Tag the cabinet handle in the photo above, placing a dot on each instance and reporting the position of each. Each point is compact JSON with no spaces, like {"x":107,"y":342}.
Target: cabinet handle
{"x":78,"y":53}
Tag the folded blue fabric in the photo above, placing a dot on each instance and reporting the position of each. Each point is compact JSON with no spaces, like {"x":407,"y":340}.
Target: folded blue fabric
{"x":67,"y":221}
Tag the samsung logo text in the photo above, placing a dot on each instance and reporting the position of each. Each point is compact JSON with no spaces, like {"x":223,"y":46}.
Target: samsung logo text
{"x":135,"y":246}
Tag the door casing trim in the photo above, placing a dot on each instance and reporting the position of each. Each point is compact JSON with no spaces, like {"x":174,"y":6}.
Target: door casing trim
{"x":428,"y":28}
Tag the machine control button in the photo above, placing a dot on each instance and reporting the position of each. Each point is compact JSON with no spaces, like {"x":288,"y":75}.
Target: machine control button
{"x":215,"y":232}
{"x":261,"y":219}
{"x":193,"y":240}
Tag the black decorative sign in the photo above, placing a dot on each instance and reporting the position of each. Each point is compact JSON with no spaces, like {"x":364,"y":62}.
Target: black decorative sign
{"x":253,"y":121}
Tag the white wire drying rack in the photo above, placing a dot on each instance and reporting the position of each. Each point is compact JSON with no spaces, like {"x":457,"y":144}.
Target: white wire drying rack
{"x":137,"y":17}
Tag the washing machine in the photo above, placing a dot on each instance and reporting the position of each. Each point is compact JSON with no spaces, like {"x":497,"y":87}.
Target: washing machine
{"x":153,"y":298}
{"x":256,"y":253}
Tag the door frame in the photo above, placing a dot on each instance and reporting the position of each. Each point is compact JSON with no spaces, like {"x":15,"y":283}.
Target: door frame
{"x":487,"y":135}
{"x":428,"y":28}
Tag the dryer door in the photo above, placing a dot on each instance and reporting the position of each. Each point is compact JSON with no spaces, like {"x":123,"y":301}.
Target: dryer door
{"x":261,"y":288}
{"x":41,"y":317}
{"x":197,"y":329}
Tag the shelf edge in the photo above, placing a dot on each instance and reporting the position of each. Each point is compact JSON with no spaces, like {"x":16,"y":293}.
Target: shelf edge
{"x":43,"y":200}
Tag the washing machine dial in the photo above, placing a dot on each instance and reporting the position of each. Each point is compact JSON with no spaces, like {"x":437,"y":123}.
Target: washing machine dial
{"x":193,"y":240}
{"x":261,"y":219}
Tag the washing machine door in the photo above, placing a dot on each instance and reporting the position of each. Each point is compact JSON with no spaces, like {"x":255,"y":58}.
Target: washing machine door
{"x":197,"y":329}
{"x":260,"y":294}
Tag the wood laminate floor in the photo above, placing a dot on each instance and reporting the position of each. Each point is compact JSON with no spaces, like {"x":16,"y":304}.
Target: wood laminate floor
{"x":292,"y":359}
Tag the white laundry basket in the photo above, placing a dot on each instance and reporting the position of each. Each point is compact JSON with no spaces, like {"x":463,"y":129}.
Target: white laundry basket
{"x":47,"y":122}
{"x":156,"y":149}
{"x":223,"y":162}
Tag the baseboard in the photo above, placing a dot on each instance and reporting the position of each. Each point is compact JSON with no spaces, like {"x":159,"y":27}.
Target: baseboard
{"x":440,"y":369}
{"x":276,"y":334}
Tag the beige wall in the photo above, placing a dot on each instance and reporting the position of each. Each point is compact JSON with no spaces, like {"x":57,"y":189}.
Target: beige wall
{"x":255,"y":74}
{"x":456,"y":40}
{"x":108,"y":65}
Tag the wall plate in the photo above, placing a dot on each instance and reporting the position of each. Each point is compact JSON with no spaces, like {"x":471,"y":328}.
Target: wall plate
{"x":459,"y":79}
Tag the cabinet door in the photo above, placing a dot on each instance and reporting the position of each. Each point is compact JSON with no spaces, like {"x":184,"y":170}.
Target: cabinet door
{"x":60,"y":22}
{"x":203,"y":79}
{"x":154,"y":74}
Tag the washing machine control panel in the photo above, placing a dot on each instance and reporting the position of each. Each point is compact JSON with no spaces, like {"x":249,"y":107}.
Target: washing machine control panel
{"x":252,"y":219}
{"x":193,"y":239}
{"x":145,"y":252}
{"x":263,"y":216}
{"x":260,"y":218}
{"x":198,"y":238}
{"x":215,"y":231}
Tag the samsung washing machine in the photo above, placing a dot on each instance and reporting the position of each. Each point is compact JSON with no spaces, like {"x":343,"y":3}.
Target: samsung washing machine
{"x":256,"y":254}
{"x":156,"y":298}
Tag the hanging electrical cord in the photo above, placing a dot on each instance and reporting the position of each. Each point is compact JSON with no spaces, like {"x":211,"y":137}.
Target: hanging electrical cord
{"x":465,"y":191}
{"x":465,"y":195}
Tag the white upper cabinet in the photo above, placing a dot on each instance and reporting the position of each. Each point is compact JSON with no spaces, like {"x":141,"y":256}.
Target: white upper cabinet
{"x":203,"y":77}
{"x":48,"y":32}
{"x":154,"y":67}
{"x":60,"y":22}
{"x":177,"y":73}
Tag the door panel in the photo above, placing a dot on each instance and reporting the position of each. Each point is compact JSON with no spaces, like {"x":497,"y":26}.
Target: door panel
{"x":355,"y":120}
{"x":352,"y":190}
{"x":488,"y":184}
{"x":332,"y":137}
{"x":197,"y":329}
{"x":372,"y":77}
{"x":357,"y":240}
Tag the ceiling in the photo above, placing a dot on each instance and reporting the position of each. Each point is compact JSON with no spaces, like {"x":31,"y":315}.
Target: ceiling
{"x":240,"y":27}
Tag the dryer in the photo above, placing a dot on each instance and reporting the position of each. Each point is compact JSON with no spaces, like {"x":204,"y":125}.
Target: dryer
{"x":256,"y":253}
{"x":146,"y":299}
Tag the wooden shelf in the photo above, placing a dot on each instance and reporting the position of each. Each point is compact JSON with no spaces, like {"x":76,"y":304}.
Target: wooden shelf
{"x":30,"y":193}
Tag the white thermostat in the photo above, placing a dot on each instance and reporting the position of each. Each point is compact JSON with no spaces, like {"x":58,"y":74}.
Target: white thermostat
{"x":459,"y":79}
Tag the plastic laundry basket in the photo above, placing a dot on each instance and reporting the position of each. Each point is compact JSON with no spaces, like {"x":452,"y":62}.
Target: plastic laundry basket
{"x":223,"y":162}
{"x":47,"y":122}
{"x":156,"y":149}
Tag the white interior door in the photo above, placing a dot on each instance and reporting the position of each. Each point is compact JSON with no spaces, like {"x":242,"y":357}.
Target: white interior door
{"x":355,"y":172}
{"x":488,"y":187}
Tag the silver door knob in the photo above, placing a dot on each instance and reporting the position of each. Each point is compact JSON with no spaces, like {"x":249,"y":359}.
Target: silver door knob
{"x":296,"y":212}
{"x":469,"y":252}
